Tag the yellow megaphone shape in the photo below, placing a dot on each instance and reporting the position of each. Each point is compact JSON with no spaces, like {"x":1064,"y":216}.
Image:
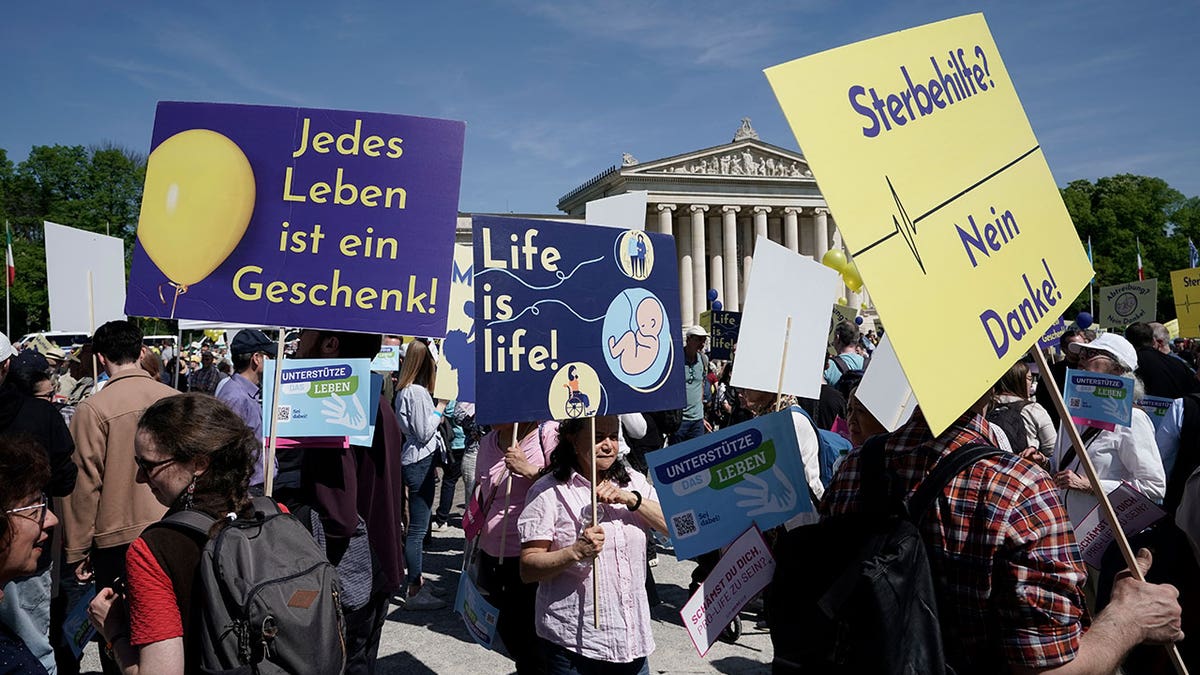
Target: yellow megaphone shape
{"x":196,"y":205}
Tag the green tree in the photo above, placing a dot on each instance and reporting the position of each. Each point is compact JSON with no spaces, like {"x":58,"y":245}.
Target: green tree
{"x":98,"y":189}
{"x":1119,"y":211}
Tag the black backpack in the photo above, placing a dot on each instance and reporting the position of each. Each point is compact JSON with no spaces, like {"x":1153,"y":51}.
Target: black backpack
{"x":269,"y":598}
{"x":1007,"y":416}
{"x":854,"y":592}
{"x":850,"y":377}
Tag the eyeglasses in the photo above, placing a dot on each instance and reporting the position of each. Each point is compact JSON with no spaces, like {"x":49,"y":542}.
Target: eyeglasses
{"x":148,"y":466}
{"x":36,"y":512}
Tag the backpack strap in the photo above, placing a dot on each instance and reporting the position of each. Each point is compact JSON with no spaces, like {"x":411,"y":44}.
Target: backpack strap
{"x":943,"y":472}
{"x":1089,"y":434}
{"x":195,"y":521}
{"x":840,"y":364}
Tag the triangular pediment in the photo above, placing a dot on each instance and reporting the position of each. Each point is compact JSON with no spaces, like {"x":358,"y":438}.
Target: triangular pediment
{"x":746,"y":158}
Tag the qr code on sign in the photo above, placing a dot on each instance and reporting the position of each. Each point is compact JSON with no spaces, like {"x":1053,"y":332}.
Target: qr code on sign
{"x":284,"y":414}
{"x":1074,"y":402}
{"x":684,"y":524}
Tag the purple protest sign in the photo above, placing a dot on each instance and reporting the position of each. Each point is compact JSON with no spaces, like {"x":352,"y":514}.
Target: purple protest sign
{"x":1050,"y":339}
{"x":295,"y":217}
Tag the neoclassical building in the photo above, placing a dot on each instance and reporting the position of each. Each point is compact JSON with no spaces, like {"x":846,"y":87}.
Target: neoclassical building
{"x":717,"y":202}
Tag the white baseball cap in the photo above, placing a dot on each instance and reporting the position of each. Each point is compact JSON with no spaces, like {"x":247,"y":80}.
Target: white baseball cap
{"x":695,"y":331}
{"x":1112,"y":344}
{"x":6,"y":348}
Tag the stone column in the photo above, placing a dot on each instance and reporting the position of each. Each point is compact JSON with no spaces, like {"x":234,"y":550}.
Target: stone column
{"x":791,"y":228}
{"x":665,"y":213}
{"x":732,"y":288}
{"x":746,"y":245}
{"x":699,"y":279}
{"x":683,"y":248}
{"x":760,"y":221}
{"x":821,"y":232}
{"x":716,"y":260}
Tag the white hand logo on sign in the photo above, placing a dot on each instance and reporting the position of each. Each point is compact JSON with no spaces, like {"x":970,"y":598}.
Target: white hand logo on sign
{"x":335,"y":411}
{"x":764,"y":497}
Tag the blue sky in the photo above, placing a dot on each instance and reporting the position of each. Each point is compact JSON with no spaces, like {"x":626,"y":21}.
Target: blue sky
{"x":553,"y":92}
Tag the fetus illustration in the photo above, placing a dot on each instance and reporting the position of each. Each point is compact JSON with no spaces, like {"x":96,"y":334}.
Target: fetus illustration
{"x":638,"y":348}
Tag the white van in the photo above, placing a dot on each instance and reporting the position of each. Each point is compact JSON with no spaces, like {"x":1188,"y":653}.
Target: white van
{"x":66,"y":340}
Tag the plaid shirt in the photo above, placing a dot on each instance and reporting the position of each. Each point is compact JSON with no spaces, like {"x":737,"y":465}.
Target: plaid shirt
{"x":205,"y":379}
{"x":1003,"y":554}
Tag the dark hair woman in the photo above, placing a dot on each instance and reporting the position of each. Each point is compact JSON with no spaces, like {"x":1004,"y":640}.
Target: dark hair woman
{"x":559,"y":543}
{"x":194,"y":453}
{"x":24,"y":531}
{"x":1012,"y":396}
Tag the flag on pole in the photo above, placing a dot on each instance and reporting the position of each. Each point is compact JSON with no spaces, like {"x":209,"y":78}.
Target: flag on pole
{"x":1141,"y":271}
{"x":12,"y":267}
{"x":1090,"y":260}
{"x":1193,"y":255}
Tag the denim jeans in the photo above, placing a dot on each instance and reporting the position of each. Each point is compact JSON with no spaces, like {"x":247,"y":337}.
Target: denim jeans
{"x":420,"y":480}
{"x":688,"y":430}
{"x":25,"y":609}
{"x":562,"y":661}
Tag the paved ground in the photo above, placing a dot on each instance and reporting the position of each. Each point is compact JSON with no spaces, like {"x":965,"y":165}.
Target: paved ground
{"x":437,"y":642}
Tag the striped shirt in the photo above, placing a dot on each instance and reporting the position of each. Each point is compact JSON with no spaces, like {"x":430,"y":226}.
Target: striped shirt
{"x":1003,"y":554}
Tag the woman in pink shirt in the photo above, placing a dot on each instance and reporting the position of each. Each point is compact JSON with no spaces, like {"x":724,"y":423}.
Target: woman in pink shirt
{"x":559,"y":547}
{"x":499,"y":541}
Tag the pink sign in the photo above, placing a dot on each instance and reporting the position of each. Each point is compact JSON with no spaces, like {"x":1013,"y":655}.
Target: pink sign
{"x":744,"y":570}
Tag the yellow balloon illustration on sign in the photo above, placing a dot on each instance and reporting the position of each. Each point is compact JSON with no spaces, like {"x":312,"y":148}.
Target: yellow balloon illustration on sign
{"x":196,"y":205}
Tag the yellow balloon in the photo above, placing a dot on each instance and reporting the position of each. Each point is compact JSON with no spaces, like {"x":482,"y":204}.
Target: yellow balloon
{"x":196,"y":205}
{"x":834,"y":259}
{"x":842,"y":301}
{"x":852,"y":278}
{"x":214,"y":335}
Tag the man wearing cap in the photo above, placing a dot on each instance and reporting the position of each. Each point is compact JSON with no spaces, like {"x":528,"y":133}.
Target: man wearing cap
{"x":695,"y":372}
{"x":25,"y":606}
{"x":243,"y":390}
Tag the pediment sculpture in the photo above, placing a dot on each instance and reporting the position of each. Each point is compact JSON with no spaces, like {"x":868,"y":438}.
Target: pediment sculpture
{"x":741,"y":163}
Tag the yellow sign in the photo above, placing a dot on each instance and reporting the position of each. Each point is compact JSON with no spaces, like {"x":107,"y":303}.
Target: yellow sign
{"x":456,"y":368}
{"x":1186,"y":285}
{"x":943,"y":197}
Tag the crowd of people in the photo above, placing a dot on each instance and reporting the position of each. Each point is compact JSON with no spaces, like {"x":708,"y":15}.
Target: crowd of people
{"x":110,"y":454}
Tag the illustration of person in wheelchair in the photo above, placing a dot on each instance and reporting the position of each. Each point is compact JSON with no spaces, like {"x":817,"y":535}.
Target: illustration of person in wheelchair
{"x":577,"y":401}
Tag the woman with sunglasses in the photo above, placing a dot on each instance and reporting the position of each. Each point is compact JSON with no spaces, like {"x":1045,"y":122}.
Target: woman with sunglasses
{"x":1126,"y":454}
{"x":24,"y":533}
{"x":194,"y":453}
{"x":559,"y":545}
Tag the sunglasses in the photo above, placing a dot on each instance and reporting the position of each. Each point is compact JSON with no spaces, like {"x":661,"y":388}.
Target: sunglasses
{"x":148,"y":466}
{"x":36,"y":512}
{"x":1087,"y":353}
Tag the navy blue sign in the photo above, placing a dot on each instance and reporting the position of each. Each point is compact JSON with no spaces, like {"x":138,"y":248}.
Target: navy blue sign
{"x":574,"y":321}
